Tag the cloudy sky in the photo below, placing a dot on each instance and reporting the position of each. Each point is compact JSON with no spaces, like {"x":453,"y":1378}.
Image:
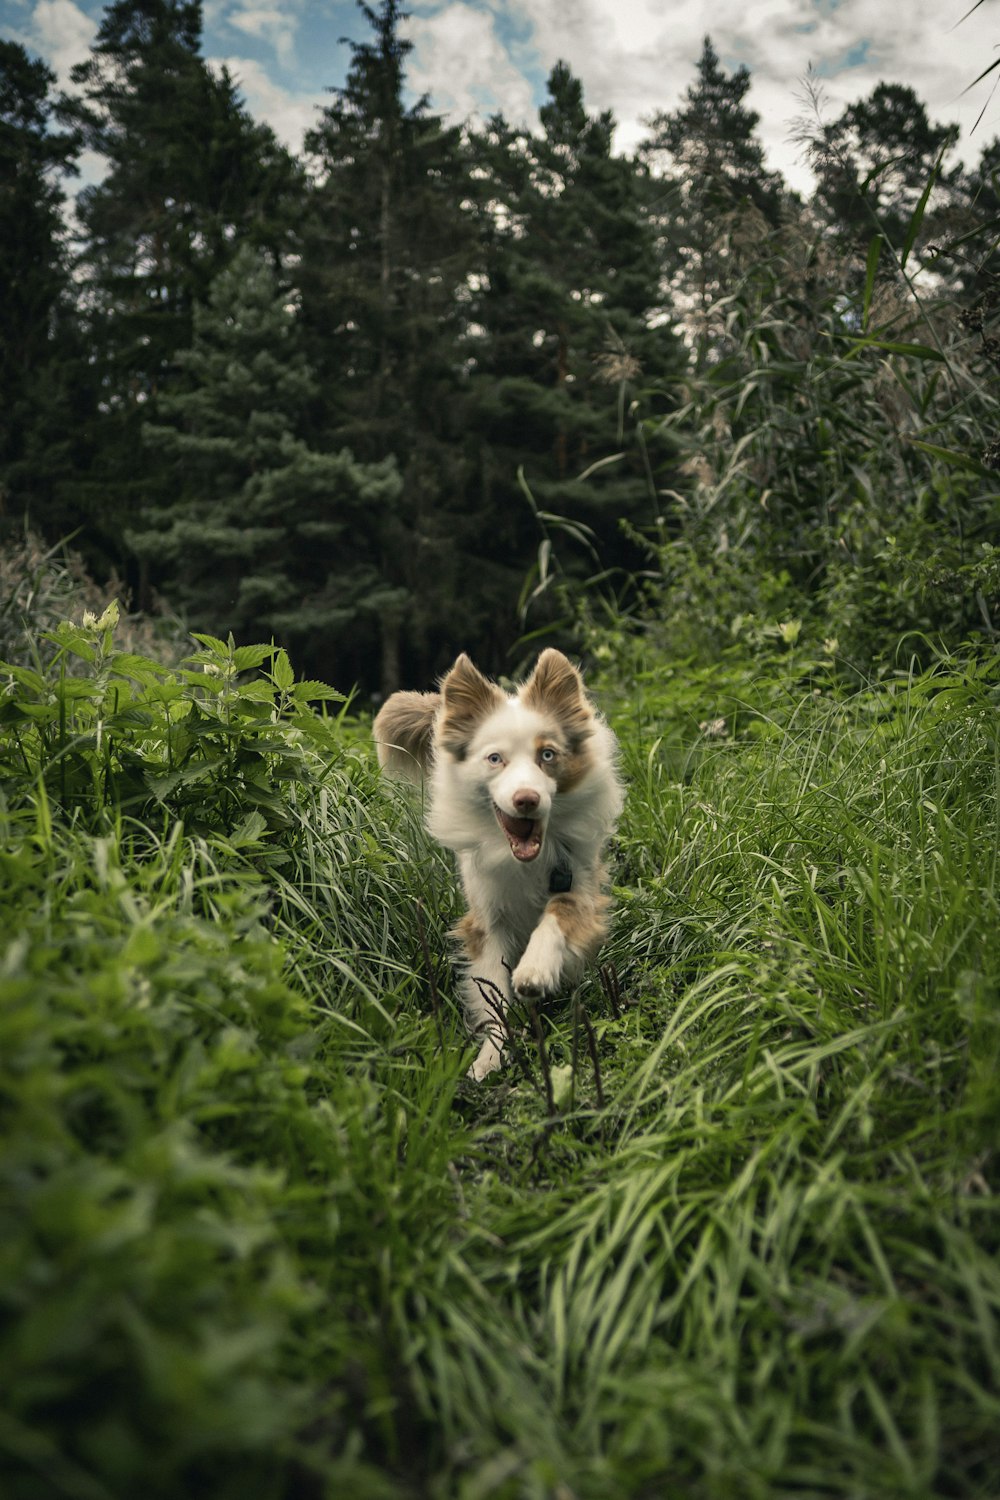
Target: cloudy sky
{"x":634,"y":56}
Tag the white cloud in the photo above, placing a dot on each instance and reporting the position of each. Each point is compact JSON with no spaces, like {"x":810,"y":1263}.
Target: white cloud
{"x":288,"y":114}
{"x":633,"y":56}
{"x":268,"y":24}
{"x":637,"y":56}
{"x":62,"y":33}
{"x":460,"y":61}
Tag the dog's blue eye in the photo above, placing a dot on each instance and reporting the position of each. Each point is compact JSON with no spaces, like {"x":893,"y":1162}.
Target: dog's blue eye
{"x":548,"y":754}
{"x":495,"y":759}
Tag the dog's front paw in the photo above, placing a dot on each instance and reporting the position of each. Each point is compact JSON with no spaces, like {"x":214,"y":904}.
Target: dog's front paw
{"x":540,"y":971}
{"x":489,"y":1059}
{"x":532,"y":980}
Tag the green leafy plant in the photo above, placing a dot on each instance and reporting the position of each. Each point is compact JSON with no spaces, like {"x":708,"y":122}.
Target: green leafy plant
{"x":726,"y":1222}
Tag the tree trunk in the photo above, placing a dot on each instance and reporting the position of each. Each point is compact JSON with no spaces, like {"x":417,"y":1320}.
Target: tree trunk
{"x":385,"y":279}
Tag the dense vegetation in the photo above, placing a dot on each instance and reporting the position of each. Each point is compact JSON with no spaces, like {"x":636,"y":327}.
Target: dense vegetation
{"x":727,"y":1223}
{"x":317,"y":398}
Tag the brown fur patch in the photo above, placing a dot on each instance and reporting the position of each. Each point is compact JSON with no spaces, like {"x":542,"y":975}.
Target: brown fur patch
{"x":471,"y":933}
{"x":402,"y":731}
{"x":573,"y":770}
{"x":583,"y":920}
{"x":468,"y":697}
{"x":556,"y":687}
{"x":569,"y":767}
{"x":550,"y":742}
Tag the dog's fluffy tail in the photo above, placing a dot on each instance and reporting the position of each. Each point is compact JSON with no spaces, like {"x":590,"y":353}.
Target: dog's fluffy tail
{"x":404,"y":731}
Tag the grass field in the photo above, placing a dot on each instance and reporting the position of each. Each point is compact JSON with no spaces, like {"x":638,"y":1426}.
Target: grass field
{"x":727,"y":1223}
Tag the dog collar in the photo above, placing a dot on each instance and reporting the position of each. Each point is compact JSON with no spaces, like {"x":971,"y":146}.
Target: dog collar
{"x":561,"y":879}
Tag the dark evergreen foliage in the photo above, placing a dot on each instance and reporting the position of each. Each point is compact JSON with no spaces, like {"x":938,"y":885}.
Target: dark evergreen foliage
{"x":189,"y":175}
{"x":380,"y":408}
{"x":264,"y":533}
{"x":712,"y":196}
{"x":712,"y":145}
{"x":388,"y":249}
{"x":873,"y":162}
{"x":966,"y":236}
{"x":38,"y":345}
{"x":567,"y":335}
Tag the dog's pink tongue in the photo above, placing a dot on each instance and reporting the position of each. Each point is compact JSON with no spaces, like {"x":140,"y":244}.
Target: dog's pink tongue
{"x":522,"y":834}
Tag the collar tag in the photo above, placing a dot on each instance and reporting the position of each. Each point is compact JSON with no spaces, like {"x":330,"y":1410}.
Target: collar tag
{"x":561,"y":879}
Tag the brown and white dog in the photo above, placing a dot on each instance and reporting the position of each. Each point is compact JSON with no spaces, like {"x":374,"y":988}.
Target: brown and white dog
{"x":524,"y":789}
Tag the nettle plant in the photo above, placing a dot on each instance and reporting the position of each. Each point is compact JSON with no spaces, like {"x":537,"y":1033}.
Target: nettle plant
{"x":107,"y":733}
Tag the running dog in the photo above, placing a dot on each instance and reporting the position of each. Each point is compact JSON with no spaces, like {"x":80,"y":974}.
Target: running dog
{"x":524,"y":788}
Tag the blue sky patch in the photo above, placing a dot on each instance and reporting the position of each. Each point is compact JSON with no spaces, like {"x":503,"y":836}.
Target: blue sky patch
{"x":856,"y":56}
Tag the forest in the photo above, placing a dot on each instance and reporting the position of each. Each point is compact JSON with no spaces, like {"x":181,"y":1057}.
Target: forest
{"x":315,"y":400}
{"x":280,"y":434}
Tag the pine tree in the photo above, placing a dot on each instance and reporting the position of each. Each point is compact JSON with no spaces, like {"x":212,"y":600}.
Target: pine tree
{"x":266,"y":534}
{"x":189,"y":174}
{"x":872,"y":164}
{"x":568,"y":324}
{"x":386,"y":258}
{"x":38,"y":346}
{"x":387,"y":230}
{"x":713,"y":189}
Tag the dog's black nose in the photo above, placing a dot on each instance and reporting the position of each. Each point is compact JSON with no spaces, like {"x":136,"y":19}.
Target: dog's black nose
{"x":526,"y":801}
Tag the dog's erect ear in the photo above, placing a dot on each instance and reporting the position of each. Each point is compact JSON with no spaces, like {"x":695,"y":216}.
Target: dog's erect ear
{"x":556,"y":687}
{"x":468,"y":697}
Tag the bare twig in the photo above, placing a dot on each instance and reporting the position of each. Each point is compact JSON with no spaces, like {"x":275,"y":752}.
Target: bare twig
{"x":592,"y":1049}
{"x":494,"y":998}
{"x":543,"y":1058}
{"x":609,"y":984}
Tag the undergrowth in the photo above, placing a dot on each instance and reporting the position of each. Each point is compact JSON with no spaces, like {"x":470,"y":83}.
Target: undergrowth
{"x":725,"y":1225}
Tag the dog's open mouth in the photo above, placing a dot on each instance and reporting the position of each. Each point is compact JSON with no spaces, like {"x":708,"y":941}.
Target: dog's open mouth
{"x":524,"y":835}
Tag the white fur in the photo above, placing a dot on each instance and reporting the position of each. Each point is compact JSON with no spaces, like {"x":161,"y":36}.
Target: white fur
{"x":525,"y":952}
{"x":526,"y":934}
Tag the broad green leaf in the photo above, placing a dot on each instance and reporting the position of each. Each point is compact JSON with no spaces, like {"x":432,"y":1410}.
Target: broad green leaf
{"x":259,"y":691}
{"x":140,"y":668}
{"x":212,"y":643}
{"x":25,"y":676}
{"x":309,"y":691}
{"x":250,"y":831}
{"x":246,"y":657}
{"x":281,"y":671}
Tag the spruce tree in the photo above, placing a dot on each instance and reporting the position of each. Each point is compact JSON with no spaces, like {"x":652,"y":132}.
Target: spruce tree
{"x":712,"y":188}
{"x":568,"y":328}
{"x":266,"y":534}
{"x":43,"y":385}
{"x":188,"y":175}
{"x":386,"y":259}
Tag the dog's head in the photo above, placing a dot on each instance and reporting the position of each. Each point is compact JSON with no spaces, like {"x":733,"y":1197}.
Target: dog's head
{"x":515,"y":755}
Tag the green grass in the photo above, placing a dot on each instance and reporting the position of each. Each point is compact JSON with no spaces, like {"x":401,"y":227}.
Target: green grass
{"x":726,"y":1225}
